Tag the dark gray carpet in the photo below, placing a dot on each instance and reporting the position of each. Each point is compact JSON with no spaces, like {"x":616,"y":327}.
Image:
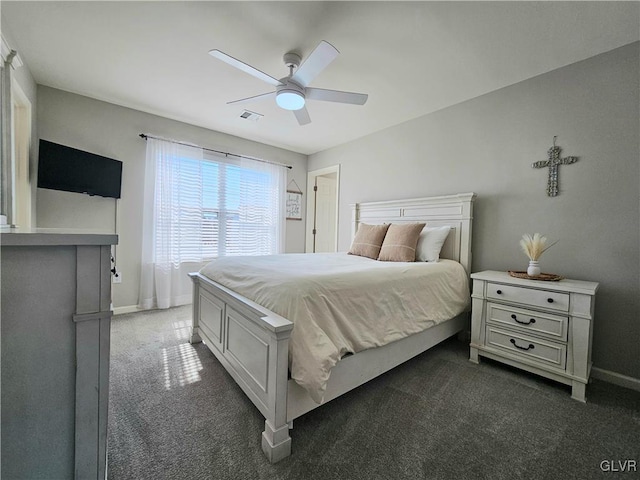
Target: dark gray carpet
{"x":176,"y":414}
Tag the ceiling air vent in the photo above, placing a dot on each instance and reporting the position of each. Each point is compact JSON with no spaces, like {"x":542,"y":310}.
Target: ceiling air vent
{"x":249,"y":115}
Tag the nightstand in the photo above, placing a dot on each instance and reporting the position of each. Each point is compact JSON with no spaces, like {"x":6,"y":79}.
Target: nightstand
{"x":538,"y":326}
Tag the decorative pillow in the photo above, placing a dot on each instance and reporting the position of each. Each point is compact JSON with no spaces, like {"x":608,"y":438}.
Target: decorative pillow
{"x":430,"y":243}
{"x":368,"y":240}
{"x":400,"y":242}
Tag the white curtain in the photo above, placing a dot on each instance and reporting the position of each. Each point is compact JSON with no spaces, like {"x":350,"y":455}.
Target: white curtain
{"x":198,"y":206}
{"x":262,"y":232}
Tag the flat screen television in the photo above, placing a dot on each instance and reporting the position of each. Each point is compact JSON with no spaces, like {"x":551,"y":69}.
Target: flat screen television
{"x":71,"y":170}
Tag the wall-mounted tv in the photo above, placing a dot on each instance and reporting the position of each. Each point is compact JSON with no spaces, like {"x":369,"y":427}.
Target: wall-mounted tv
{"x":71,"y":170}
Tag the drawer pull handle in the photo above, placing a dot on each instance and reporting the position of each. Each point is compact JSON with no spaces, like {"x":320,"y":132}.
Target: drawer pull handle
{"x":499,"y":292}
{"x":530,"y":347}
{"x":550,"y":300}
{"x":531,"y":320}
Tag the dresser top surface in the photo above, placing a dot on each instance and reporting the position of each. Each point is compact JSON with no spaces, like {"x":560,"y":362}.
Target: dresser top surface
{"x":565,"y":285}
{"x":21,"y":237}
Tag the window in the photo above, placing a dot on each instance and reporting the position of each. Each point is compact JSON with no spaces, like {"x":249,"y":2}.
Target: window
{"x":200,"y":206}
{"x":219,"y":208}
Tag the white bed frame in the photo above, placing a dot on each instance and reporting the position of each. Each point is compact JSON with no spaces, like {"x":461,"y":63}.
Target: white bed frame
{"x":252,"y":343}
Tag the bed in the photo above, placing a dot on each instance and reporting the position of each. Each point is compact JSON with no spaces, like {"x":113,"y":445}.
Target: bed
{"x":253,"y":342}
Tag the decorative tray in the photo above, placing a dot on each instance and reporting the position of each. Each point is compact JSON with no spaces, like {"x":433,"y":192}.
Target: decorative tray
{"x":547,"y":277}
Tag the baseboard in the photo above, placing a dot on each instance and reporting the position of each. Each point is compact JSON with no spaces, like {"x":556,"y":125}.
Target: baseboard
{"x":127,"y":309}
{"x":616,"y":378}
{"x":133,"y":309}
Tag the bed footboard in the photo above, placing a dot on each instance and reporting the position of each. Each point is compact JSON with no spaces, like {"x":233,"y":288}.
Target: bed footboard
{"x":252,"y":343}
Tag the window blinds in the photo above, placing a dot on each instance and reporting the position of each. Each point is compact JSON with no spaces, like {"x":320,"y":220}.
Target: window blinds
{"x":201,"y":205}
{"x":210,"y":206}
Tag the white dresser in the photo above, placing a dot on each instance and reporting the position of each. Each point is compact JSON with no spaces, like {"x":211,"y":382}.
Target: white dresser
{"x":541,"y":327}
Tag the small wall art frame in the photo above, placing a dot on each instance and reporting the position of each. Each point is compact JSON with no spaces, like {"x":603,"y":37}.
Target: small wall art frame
{"x":294,"y":205}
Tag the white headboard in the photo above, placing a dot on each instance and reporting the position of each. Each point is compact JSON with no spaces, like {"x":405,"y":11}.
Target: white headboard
{"x":453,"y":210}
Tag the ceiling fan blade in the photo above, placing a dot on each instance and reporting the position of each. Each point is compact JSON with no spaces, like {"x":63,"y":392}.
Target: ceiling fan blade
{"x":336,"y":96}
{"x":302,"y":116}
{"x":262,"y":96}
{"x":234,"y":62}
{"x":323,"y":55}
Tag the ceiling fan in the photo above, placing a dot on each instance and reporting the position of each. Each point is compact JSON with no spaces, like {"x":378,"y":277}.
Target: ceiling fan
{"x":292,"y":91}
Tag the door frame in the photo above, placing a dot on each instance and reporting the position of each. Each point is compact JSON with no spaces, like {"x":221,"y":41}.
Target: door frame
{"x":22,"y":187}
{"x":311,"y":181}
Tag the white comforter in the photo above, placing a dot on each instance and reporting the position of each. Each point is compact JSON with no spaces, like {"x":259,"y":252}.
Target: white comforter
{"x":343,"y":303}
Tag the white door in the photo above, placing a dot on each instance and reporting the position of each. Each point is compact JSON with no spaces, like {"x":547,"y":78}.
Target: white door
{"x":325,"y":231}
{"x":322,"y":210}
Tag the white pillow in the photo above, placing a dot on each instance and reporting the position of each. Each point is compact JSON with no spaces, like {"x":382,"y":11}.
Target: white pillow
{"x":430,"y":243}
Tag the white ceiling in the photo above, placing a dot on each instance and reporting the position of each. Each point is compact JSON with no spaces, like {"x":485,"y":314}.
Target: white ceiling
{"x":411,"y":58}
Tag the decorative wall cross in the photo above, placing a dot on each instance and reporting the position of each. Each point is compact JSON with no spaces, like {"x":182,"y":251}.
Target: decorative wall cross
{"x":553,"y":163}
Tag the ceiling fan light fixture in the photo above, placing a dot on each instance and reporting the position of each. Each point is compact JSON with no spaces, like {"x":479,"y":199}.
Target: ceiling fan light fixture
{"x":293,"y":90}
{"x":290,"y":99}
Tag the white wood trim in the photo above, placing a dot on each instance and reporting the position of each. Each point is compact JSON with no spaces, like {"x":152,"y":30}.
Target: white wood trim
{"x":616,"y":378}
{"x":5,"y":49}
{"x":281,"y":400}
{"x":22,"y":185}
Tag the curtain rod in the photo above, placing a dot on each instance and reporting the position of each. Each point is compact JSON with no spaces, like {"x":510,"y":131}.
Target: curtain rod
{"x":145,"y":136}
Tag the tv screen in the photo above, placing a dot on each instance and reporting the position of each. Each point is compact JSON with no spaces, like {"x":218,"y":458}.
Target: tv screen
{"x":71,"y":170}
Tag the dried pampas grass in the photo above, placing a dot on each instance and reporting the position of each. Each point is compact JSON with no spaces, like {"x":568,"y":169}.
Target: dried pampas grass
{"x":534,"y":246}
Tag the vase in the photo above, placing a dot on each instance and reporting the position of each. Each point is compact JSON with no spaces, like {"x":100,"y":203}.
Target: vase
{"x":534,"y":269}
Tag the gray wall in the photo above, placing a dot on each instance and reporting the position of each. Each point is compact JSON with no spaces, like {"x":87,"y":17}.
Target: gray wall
{"x":487,"y":145}
{"x":112,"y":131}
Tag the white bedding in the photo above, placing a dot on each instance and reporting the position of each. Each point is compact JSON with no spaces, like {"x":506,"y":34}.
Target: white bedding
{"x":343,"y":303}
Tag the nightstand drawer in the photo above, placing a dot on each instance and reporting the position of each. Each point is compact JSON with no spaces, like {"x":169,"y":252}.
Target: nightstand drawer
{"x":528,"y":321}
{"x":525,"y":346}
{"x":528,"y":296}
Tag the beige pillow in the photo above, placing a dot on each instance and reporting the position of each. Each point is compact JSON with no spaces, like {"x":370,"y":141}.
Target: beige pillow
{"x":368,"y":240}
{"x":400,"y":242}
